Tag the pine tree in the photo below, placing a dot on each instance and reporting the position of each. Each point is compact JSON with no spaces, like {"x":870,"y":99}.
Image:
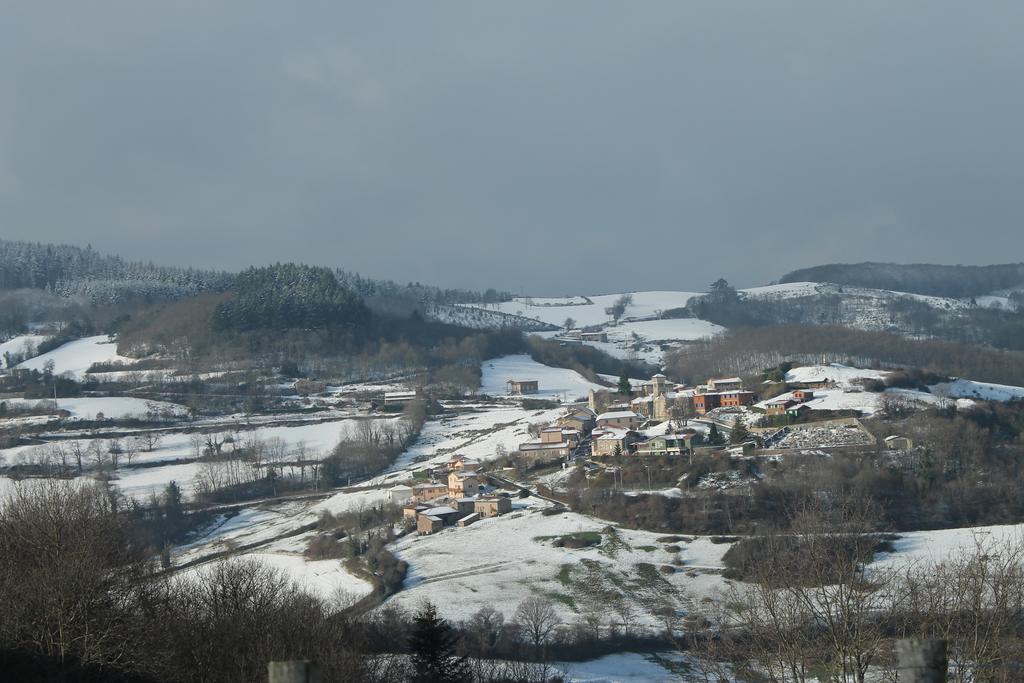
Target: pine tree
{"x":625,"y":388}
{"x":714,"y":438}
{"x":740,"y":433}
{"x":432,"y":645}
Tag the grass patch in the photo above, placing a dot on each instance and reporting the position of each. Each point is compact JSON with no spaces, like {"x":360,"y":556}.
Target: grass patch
{"x":565,"y":575}
{"x":566,"y":600}
{"x":647,"y":548}
{"x":614,"y":542}
{"x":674,"y":539}
{"x":580,"y":539}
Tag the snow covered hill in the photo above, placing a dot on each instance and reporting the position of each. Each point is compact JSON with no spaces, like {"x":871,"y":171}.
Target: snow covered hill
{"x":77,"y":356}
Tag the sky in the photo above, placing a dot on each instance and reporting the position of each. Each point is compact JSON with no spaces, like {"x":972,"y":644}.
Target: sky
{"x":556,"y":148}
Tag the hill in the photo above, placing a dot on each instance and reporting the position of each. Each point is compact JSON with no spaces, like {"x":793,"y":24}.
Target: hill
{"x":917,"y":278}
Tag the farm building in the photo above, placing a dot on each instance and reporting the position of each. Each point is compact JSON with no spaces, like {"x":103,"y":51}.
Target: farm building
{"x":399,"y":398}
{"x":522,"y":386}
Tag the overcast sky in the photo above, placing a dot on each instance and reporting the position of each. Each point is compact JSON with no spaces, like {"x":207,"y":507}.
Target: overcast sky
{"x":545,"y":147}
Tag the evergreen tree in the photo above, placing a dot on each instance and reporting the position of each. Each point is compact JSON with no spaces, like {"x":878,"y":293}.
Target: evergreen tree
{"x":714,"y":438}
{"x":432,"y":645}
{"x":739,"y":433}
{"x":625,"y":388}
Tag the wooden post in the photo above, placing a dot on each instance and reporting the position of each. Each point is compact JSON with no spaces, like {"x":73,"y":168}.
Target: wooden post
{"x":295,"y":671}
{"x":921,"y":661}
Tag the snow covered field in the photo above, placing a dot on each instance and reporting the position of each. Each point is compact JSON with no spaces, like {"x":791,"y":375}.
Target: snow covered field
{"x":147,"y":476}
{"x":589,"y":311}
{"x":554,"y":382}
{"x":17,"y":345}
{"x":116,"y":408}
{"x":965,"y":388}
{"x":842,"y":375}
{"x":77,"y":356}
{"x":935,"y":546}
{"x":473,"y":433}
{"x":500,"y":561}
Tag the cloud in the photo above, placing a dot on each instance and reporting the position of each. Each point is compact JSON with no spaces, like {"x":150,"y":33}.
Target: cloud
{"x":567,"y":147}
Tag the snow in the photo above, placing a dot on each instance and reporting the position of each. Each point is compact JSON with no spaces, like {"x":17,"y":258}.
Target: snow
{"x":77,"y":356}
{"x":965,"y":388}
{"x":589,"y":311}
{"x":472,"y":433}
{"x":941,"y":544}
{"x":327,"y":579}
{"x":621,"y":667}
{"x":115,"y":408}
{"x":674,"y":329}
{"x":498,"y":562}
{"x":788,"y":290}
{"x":17,"y":345}
{"x":553,"y":382}
{"x":842,"y":375}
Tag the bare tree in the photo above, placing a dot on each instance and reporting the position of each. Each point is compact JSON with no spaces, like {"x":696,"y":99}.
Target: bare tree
{"x":151,"y":441}
{"x":198,"y":443}
{"x":78,"y":452}
{"x":115,"y":448}
{"x":537,"y":618}
{"x":132,"y":446}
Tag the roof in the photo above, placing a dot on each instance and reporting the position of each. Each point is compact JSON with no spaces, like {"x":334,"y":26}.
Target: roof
{"x":472,"y":515}
{"x":443,"y":510}
{"x":616,"y":414}
{"x":400,"y":487}
{"x":399,"y":394}
{"x":519,"y":381}
{"x":428,"y":486}
{"x":893,"y":437}
{"x":725,"y":380}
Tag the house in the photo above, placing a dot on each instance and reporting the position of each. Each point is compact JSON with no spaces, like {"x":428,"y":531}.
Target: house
{"x":703,"y":403}
{"x":580,"y":423}
{"x":493,"y":506}
{"x":422,"y":492}
{"x":309,"y":387}
{"x":799,"y":410}
{"x":399,"y":398}
{"x":594,"y":336}
{"x":400,"y":494}
{"x":466,"y":505}
{"x":462,"y":484}
{"x":537,"y":451}
{"x":898,"y":443}
{"x":426,"y":524}
{"x":462,"y":463}
{"x":822,"y":381}
{"x":726,"y":384}
{"x":522,"y":386}
{"x":579,"y":418}
{"x":706,"y":402}
{"x":735,"y":399}
{"x":607,"y":441}
{"x":411,"y":510}
{"x":623,"y":419}
{"x":434,"y":519}
{"x":778,"y":407}
{"x":560,"y":434}
{"x":669,"y":444}
{"x":802,"y":395}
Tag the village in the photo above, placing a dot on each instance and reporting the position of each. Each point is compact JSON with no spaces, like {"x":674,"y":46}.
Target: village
{"x":656,"y":418}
